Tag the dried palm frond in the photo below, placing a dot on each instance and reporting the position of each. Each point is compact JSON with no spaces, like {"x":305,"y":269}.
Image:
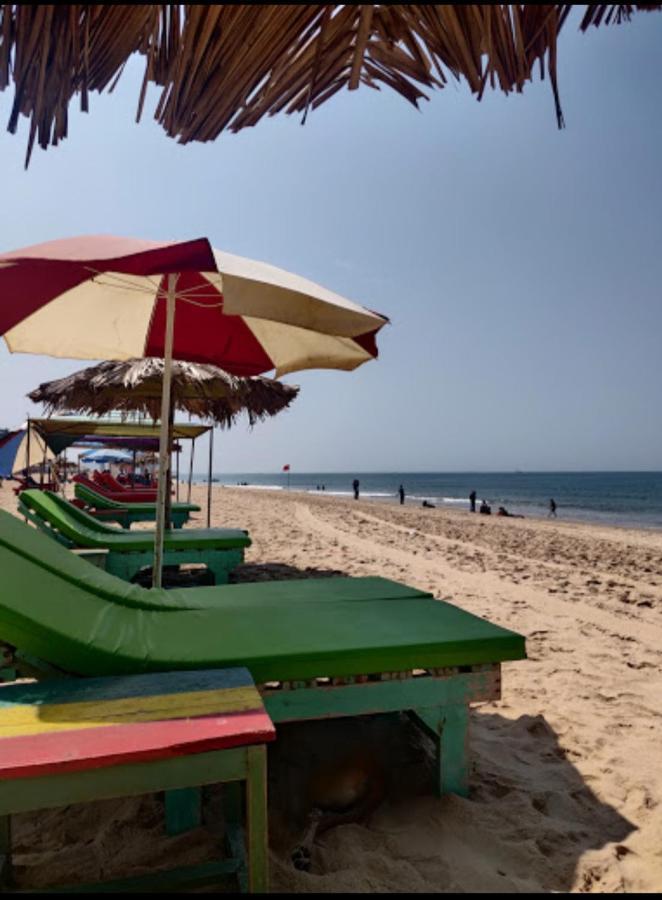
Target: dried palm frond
{"x":135,"y":386}
{"x":227,"y":65}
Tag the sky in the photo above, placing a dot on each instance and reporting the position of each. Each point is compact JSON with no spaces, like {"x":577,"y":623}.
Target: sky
{"x":520,"y":265}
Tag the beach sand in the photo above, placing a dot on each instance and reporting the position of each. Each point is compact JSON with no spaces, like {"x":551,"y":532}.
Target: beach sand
{"x":566,"y":786}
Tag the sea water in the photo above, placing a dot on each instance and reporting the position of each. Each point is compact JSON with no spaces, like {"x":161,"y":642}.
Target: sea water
{"x":618,"y":498}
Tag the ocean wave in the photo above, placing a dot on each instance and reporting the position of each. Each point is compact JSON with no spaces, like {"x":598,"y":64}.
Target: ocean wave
{"x":256,"y":487}
{"x":438,"y":499}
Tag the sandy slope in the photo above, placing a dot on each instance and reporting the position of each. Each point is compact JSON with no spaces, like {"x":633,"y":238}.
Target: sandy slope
{"x":567,"y":782}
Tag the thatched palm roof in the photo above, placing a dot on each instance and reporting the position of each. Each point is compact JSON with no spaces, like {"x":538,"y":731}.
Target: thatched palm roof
{"x":135,"y":385}
{"x":225,"y":66}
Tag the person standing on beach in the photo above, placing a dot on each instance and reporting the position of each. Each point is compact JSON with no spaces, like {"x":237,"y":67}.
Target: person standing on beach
{"x":401,"y":491}
{"x":355,"y":485}
{"x":552,"y":509}
{"x":472,"y":500}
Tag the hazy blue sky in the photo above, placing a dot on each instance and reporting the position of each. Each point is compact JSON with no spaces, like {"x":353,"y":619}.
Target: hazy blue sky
{"x":521,"y":266}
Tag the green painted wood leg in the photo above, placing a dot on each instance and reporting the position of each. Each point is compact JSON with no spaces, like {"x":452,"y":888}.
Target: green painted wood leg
{"x":5,"y":853}
{"x":183,"y":810}
{"x":220,"y":564}
{"x":233,"y":803}
{"x":121,"y":565}
{"x":256,"y":815}
{"x":450,"y":726}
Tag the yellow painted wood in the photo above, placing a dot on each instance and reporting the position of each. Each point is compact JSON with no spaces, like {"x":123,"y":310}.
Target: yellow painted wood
{"x":25,"y":719}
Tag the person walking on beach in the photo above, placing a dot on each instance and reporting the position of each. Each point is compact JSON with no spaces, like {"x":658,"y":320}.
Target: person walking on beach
{"x":472,"y":500}
{"x":552,"y":509}
{"x":355,"y":485}
{"x":401,"y":491}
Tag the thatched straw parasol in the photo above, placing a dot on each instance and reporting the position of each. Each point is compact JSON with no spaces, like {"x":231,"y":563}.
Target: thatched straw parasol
{"x":227,"y":65}
{"x":135,"y":385}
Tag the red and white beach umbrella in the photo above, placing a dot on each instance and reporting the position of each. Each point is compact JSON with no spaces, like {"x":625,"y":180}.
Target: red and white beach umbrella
{"x":104,"y":297}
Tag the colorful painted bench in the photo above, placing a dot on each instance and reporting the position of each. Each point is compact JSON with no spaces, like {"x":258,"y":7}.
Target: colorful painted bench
{"x":220,"y":549}
{"x":74,"y":740}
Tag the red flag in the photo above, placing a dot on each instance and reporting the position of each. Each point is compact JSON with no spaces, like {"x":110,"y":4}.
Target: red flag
{"x":286,"y":468}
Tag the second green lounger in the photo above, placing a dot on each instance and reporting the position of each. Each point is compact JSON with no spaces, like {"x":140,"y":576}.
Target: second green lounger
{"x":220,"y":549}
{"x":180,"y":513}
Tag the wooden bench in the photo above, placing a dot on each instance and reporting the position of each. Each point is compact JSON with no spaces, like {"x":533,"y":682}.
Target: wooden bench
{"x":72,"y":740}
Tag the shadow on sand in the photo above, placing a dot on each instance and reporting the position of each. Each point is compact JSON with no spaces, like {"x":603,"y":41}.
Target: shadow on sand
{"x":273,"y":571}
{"x":528,"y":820}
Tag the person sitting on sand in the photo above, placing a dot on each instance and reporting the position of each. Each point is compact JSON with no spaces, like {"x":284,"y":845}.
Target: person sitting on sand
{"x":485,"y":509}
{"x":504,"y":512}
{"x":428,"y":505}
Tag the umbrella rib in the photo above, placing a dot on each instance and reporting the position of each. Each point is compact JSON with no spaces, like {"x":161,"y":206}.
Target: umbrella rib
{"x":116,"y":280}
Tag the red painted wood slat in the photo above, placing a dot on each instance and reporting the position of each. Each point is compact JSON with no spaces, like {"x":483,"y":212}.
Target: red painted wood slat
{"x":93,"y":748}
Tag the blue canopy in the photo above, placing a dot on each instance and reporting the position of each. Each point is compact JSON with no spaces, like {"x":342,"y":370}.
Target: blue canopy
{"x":107,"y":456}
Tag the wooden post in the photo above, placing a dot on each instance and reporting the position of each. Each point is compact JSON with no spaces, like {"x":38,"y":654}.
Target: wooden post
{"x":5,"y":852}
{"x":256,"y":814}
{"x":43,"y":466}
{"x":190,"y":471}
{"x":211,"y":450}
{"x":171,"y":420}
{"x":177,"y":471}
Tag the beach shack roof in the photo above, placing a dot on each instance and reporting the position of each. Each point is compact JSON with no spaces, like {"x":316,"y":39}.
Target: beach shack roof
{"x":225,"y":66}
{"x":66,"y":432}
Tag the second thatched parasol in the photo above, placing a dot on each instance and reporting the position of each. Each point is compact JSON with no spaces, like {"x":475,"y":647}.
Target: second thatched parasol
{"x":135,"y":385}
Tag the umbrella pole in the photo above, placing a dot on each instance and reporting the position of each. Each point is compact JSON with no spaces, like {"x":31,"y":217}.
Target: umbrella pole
{"x":27,"y":453}
{"x":163,"y":438}
{"x":211,"y":450}
{"x":190,"y":471}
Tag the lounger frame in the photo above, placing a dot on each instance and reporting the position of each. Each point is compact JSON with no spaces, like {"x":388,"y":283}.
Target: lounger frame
{"x":127,"y":564}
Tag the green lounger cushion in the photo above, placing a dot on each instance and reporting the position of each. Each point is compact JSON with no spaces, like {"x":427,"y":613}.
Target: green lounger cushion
{"x":87,"y":622}
{"x":85,"y":531}
{"x":100,"y":502}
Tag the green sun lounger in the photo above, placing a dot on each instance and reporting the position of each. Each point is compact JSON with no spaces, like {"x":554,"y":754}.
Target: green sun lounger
{"x":128,"y":513}
{"x":318,"y":648}
{"x":220,"y":549}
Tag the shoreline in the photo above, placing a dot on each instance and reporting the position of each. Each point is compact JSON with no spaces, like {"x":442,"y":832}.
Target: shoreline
{"x":453,"y":508}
